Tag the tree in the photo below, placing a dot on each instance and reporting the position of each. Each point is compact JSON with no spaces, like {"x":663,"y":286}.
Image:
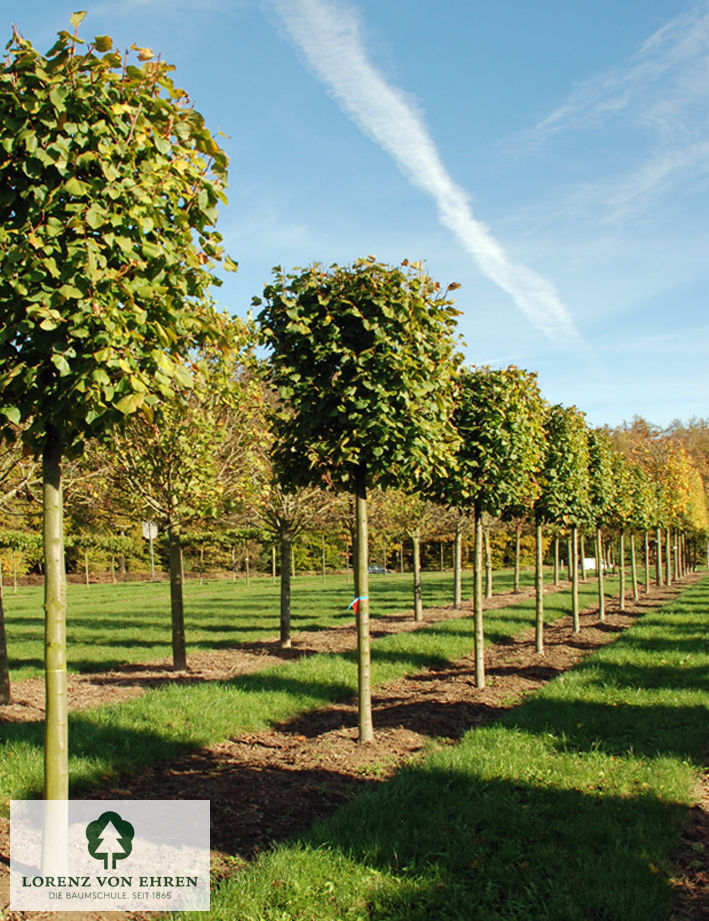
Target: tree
{"x":197,"y":454}
{"x":564,"y":497}
{"x":362,"y":358}
{"x":109,"y":183}
{"x":601,"y":497}
{"x":498,"y":418}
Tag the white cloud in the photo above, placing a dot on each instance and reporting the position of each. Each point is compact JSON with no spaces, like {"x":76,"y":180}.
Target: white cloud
{"x":656,"y":107}
{"x":329,"y":35}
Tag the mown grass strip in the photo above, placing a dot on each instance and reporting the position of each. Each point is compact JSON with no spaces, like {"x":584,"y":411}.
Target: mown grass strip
{"x":568,"y":809}
{"x":109,"y":625}
{"x":165,"y":723}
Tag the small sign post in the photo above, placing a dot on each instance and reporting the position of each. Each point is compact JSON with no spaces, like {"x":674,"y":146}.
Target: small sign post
{"x":150,"y":532}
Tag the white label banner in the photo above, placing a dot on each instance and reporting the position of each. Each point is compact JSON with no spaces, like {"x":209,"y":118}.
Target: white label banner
{"x":109,"y":855}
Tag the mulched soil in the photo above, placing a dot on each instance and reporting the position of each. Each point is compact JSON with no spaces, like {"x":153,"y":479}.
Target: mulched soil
{"x":268,"y":786}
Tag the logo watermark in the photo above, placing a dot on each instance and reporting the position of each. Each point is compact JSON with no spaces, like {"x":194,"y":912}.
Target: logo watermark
{"x":121,"y":855}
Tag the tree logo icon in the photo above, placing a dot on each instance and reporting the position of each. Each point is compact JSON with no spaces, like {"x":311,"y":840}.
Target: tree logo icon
{"x":110,"y":839}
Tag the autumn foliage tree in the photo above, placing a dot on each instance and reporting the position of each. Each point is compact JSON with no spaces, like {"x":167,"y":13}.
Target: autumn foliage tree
{"x":109,"y":183}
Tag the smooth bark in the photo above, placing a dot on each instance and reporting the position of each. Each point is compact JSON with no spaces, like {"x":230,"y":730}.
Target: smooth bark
{"x":364,"y":694}
{"x":286,"y":558}
{"x":488,"y":564}
{"x":633,"y":567}
{"x":600,"y":564}
{"x":658,"y":556}
{"x":177,"y":604}
{"x":556,"y":561}
{"x":539,"y":589}
{"x":621,"y":584}
{"x":647,"y":562}
{"x":56,"y":735}
{"x":668,"y":558}
{"x":575,"y":578}
{"x":478,"y":602}
{"x":416,"y":549}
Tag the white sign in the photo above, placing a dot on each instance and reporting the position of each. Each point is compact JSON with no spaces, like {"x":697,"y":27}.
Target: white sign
{"x":109,"y":855}
{"x":150,"y":530}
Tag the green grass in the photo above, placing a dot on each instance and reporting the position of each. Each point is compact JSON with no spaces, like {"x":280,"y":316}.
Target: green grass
{"x":568,"y":809}
{"x":108,"y":625}
{"x":165,"y":723}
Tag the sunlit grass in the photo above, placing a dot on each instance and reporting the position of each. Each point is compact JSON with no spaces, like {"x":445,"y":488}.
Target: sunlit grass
{"x":568,"y":809}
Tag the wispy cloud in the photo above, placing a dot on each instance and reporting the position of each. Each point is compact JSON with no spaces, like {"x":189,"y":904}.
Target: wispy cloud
{"x":656,"y":105}
{"x":329,"y":34}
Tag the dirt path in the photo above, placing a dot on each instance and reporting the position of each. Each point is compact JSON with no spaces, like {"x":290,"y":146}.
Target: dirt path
{"x":268,"y":786}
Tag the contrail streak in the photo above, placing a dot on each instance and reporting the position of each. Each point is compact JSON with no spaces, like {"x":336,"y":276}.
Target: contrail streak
{"x":328,"y":34}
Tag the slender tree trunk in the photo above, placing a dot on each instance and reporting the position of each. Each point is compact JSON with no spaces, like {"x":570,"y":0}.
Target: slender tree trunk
{"x":273,"y":563}
{"x":621,"y":554}
{"x":201,"y":564}
{"x":478,"y":602}
{"x":56,"y":737}
{"x":4,"y":663}
{"x":247,"y":565}
{"x":569,"y":557}
{"x":15,"y":566}
{"x":633,"y":567}
{"x":401,"y":559}
{"x":364,"y":699}
{"x":539,"y":588}
{"x":557,"y":568}
{"x":416,"y":549}
{"x":678,"y":554}
{"x":575,"y":578}
{"x":582,"y":538}
{"x":518,"y":533}
{"x":488,"y":564}
{"x":286,"y":558}
{"x":177,"y":604}
{"x":458,"y":566}
{"x":647,"y":562}
{"x":113,"y":568}
{"x":442,"y":560}
{"x":668,"y":557}
{"x":658,"y":556}
{"x":87,"y":580}
{"x":600,"y":563}
{"x":122,"y":558}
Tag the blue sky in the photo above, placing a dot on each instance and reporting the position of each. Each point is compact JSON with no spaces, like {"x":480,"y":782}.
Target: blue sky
{"x":551,"y":156}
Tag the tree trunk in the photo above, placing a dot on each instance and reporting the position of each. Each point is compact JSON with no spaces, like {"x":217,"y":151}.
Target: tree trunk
{"x":442,"y":560}
{"x":584,"y":577}
{"x":286,"y":559}
{"x":633,"y":567}
{"x":416,"y":549}
{"x":177,"y":605}
{"x":458,"y":566}
{"x":556,"y":560}
{"x":539,"y":589}
{"x":364,"y":697}
{"x":122,"y":558}
{"x":600,"y":563}
{"x":569,"y":557}
{"x":273,"y":563}
{"x":668,"y":558}
{"x":478,"y":602}
{"x":575,"y":578}
{"x":56,"y":737}
{"x":488,"y":564}
{"x":647,"y":562}
{"x":621,"y":561}
{"x":4,"y":663}
{"x":86,"y":567}
{"x":518,"y":534}
{"x":658,"y":556}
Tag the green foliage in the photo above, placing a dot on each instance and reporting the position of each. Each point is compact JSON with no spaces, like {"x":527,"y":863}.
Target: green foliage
{"x":362,"y":358}
{"x":499,"y":419}
{"x":602,"y":486}
{"x":109,"y":185}
{"x":565,"y":498}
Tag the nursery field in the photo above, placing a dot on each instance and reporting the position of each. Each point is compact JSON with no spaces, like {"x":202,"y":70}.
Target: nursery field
{"x":109,"y":625}
{"x":564,"y":803}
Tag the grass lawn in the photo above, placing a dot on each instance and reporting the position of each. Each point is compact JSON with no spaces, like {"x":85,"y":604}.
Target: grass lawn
{"x":569,"y":808}
{"x":108,"y":625}
{"x":165,"y":723}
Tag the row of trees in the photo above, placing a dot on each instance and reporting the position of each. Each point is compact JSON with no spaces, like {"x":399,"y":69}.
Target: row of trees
{"x":126,"y":393}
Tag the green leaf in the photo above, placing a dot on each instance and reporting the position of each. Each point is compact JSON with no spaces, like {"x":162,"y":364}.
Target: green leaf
{"x":129,"y":404}
{"x":103,"y":43}
{"x":12,"y":413}
{"x":77,"y":18}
